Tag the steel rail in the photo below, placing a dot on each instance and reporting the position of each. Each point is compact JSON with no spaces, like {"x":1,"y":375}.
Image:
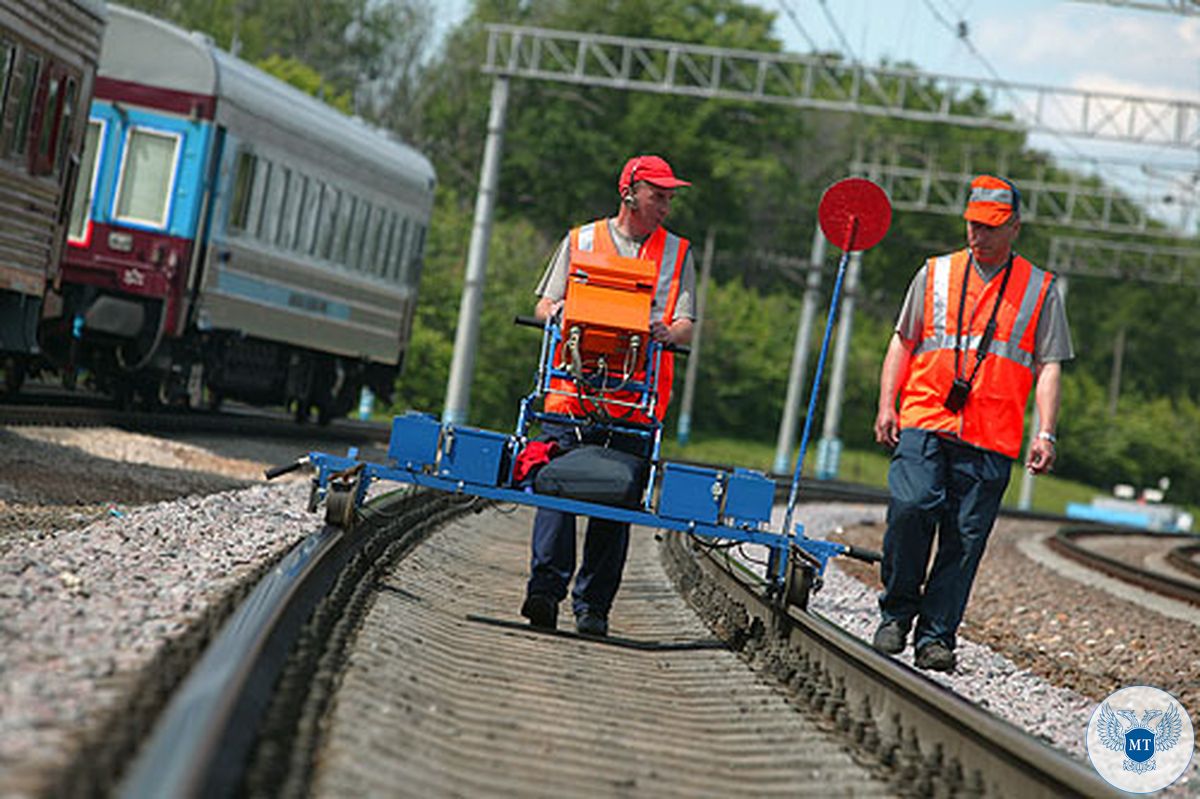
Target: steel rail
{"x":1186,"y":558}
{"x":249,"y":423}
{"x":935,"y":741}
{"x":1066,"y":542}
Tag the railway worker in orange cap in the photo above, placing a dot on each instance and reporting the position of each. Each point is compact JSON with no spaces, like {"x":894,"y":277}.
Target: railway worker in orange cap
{"x":980,"y":329}
{"x":646,"y":186}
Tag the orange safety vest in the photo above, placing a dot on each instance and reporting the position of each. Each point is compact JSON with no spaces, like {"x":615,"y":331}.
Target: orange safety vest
{"x":667,"y":251}
{"x":994,"y":415}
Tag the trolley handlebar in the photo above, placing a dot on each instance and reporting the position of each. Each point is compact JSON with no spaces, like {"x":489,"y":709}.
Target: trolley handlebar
{"x":868,"y":555}
{"x":279,"y":471}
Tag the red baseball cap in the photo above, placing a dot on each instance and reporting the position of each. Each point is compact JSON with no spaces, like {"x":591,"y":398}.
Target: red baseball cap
{"x":651,"y":169}
{"x":992,"y":201}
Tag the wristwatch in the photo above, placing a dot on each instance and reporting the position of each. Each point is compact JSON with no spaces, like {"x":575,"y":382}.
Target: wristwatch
{"x":1046,"y":435}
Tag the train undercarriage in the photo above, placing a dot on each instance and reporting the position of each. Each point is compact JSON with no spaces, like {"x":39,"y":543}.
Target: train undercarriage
{"x":117,"y":347}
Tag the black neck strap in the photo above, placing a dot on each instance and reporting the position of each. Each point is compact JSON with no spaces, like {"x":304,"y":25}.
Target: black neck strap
{"x":989,"y":332}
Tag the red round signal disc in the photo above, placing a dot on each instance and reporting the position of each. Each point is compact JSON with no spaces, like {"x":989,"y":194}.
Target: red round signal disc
{"x":854,"y":214}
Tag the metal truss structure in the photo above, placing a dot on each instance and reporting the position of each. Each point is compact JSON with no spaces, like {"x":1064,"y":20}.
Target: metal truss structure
{"x":815,"y":81}
{"x":1120,"y":260}
{"x":1184,"y":7}
{"x":916,"y":181}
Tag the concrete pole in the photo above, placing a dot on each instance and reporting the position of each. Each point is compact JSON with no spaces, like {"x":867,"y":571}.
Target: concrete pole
{"x":1114,"y":379}
{"x":1025,"y":498}
{"x":466,"y":337}
{"x":785,"y":444}
{"x":829,"y":451}
{"x":684,"y":431}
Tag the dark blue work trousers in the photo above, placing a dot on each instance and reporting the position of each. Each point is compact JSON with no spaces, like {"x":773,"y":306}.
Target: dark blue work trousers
{"x":604,"y":548}
{"x":952,"y":490}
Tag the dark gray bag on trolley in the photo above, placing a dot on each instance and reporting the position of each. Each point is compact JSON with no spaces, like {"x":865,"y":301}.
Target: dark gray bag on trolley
{"x":595,"y":474}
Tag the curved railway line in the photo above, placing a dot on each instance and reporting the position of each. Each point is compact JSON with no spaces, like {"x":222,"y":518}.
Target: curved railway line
{"x":413,"y":679}
{"x":399,"y":666}
{"x":1164,"y":564}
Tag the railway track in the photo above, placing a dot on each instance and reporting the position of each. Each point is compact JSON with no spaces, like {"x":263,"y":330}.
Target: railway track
{"x":239,"y":422}
{"x":414,"y":676}
{"x":1161,"y":563}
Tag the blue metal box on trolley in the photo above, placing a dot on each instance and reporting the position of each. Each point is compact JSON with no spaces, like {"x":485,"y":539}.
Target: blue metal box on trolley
{"x":749,"y":497}
{"x":414,"y":442}
{"x":691,"y":492}
{"x":473,"y":455}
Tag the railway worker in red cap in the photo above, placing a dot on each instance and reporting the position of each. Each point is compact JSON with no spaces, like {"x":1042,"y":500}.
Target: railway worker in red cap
{"x":646,"y":186}
{"x":980,"y":329}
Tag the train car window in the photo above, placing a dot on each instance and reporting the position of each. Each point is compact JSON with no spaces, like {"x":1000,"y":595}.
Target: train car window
{"x":358,"y":234}
{"x":288,"y":210}
{"x":66,"y":122}
{"x":386,"y":232}
{"x":243,"y":187}
{"x":258,"y":200}
{"x":341,"y":234}
{"x":46,"y":131}
{"x":85,"y":183}
{"x":302,"y":205}
{"x":147,"y":176}
{"x":370,"y":252}
{"x":8,"y":56}
{"x":311,"y":218}
{"x":27,"y":75}
{"x":331,"y":199}
{"x":397,"y":263}
{"x":273,"y":207}
{"x":412,"y":272}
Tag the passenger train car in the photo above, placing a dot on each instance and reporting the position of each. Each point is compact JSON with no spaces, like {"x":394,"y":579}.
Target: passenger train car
{"x":48,"y":54}
{"x":239,"y":238}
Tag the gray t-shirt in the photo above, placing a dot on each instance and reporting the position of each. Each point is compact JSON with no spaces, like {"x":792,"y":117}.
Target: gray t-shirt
{"x":554,"y":280}
{"x":1051,"y":342}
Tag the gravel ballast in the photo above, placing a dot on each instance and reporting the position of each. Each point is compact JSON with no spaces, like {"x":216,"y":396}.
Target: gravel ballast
{"x":94,"y":590}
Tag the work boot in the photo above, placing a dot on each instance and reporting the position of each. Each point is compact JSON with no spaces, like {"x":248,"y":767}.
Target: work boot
{"x":541,"y":610}
{"x":936,"y":656}
{"x":889,"y":638}
{"x":591,"y":623}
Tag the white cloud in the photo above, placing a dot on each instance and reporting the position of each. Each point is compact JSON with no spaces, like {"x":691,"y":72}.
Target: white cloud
{"x":1096,"y":48}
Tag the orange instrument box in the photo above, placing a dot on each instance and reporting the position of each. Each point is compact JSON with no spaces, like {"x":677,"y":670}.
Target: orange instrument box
{"x":609,"y":299}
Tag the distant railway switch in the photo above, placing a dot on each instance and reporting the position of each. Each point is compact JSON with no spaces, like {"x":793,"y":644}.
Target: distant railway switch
{"x":414,"y":441}
{"x":472,"y":455}
{"x":749,"y":497}
{"x":691,"y":492}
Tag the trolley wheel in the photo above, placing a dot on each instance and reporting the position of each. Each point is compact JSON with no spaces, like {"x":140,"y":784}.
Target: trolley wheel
{"x":339,"y":504}
{"x":799,"y":584}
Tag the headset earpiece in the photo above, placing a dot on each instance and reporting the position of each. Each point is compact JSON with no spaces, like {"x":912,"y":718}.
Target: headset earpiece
{"x":630,"y":199}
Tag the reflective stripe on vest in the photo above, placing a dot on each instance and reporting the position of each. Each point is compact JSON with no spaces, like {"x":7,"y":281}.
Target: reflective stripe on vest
{"x":994,"y":415}
{"x":665,"y":249}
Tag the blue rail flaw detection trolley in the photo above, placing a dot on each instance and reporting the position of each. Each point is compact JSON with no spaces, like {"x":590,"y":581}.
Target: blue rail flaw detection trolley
{"x":611,"y":364}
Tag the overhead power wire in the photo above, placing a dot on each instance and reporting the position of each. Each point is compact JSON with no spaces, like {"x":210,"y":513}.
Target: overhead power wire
{"x":832,"y":20}
{"x":962,"y":32}
{"x":787,"y":9}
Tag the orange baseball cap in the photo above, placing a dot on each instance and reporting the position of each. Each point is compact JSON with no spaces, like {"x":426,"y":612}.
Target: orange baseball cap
{"x":651,"y":169}
{"x":992,"y":201}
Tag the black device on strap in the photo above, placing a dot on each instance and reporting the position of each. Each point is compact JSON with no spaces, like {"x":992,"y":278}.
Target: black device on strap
{"x":956,"y":399}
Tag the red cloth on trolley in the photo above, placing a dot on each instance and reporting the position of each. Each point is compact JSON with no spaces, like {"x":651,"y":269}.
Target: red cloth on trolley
{"x":535,"y":454}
